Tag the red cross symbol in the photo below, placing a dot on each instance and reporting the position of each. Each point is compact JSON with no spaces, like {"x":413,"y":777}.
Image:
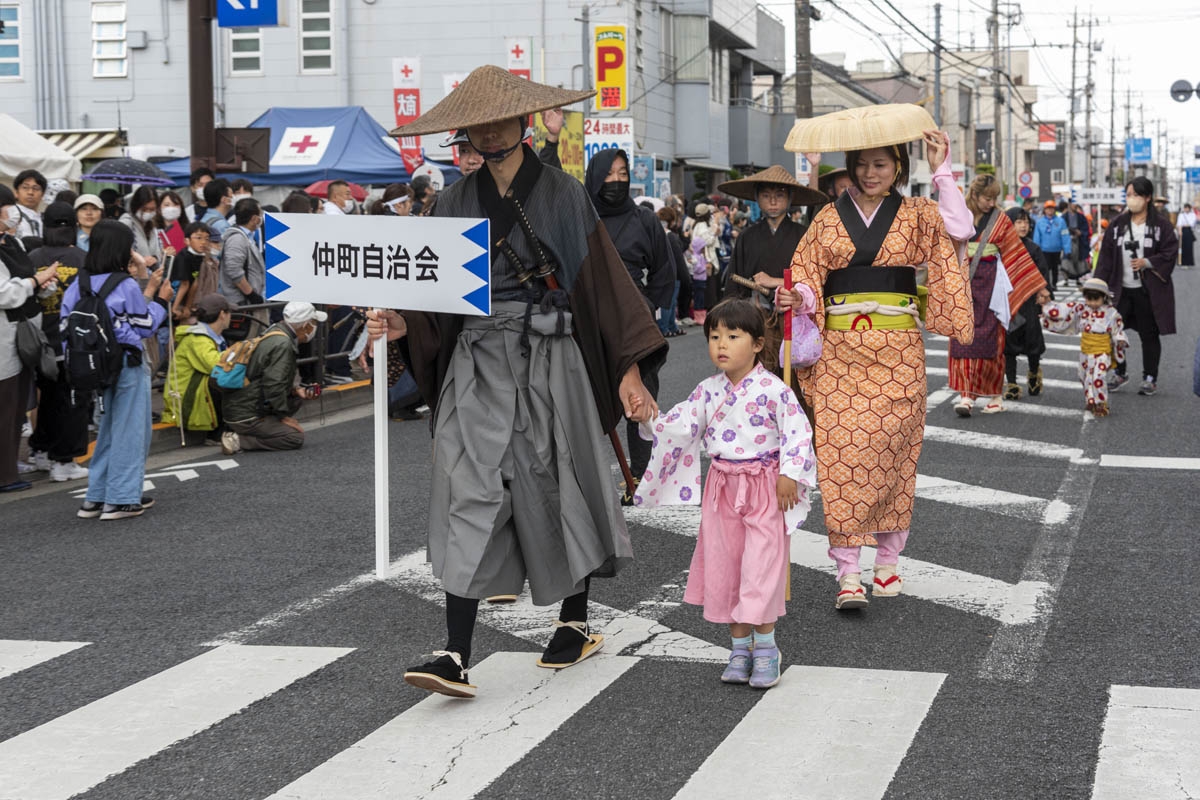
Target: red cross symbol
{"x":455,"y":86}
{"x":406,"y":71}
{"x":517,"y":51}
{"x":304,"y":144}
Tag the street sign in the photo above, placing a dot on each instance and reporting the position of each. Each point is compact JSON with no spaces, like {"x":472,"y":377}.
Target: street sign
{"x":1139,"y":151}
{"x":518,"y":55}
{"x":607,"y":133}
{"x":1098,"y":195}
{"x":437,"y":264}
{"x":1025,"y":178}
{"x":247,"y":13}
{"x":1192,"y":174}
{"x":1025,"y":192}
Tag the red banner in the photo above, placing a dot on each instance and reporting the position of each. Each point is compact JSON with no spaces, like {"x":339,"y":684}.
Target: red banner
{"x":406,"y":100}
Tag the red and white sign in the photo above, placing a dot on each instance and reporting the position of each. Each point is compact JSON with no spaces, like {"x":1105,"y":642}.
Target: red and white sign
{"x":302,"y":147}
{"x":451,"y":80}
{"x":518,"y":55}
{"x":1047,"y":136}
{"x":406,"y":99}
{"x":1025,"y":178}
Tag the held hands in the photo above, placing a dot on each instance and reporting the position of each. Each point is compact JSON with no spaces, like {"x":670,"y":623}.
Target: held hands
{"x":788,"y":493}
{"x":636,"y":398}
{"x":385,"y":322}
{"x":937,"y":145}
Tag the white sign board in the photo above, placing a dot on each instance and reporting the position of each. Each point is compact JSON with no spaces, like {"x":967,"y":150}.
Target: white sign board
{"x":302,"y":147}
{"x":803,"y":169}
{"x":607,"y":133}
{"x":1099,"y":195}
{"x":437,"y":264}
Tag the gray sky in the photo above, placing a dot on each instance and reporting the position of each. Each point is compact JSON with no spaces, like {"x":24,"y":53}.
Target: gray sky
{"x":1155,"y":44}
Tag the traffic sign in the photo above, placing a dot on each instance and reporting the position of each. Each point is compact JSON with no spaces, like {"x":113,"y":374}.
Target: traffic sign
{"x":1139,"y":151}
{"x":1025,"y":178}
{"x":437,"y":264}
{"x":247,"y":13}
{"x":1192,"y":174}
{"x":1025,"y":191}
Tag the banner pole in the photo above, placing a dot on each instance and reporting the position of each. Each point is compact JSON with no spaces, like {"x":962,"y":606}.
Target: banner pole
{"x":382,"y":522}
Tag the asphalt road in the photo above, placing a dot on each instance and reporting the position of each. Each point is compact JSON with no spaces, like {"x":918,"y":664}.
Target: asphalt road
{"x":1041,"y":573}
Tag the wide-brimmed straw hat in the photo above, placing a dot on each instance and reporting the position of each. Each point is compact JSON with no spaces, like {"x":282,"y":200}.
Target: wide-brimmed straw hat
{"x":747,"y":188}
{"x":859,"y":128}
{"x":826,"y":179}
{"x":490,"y":94}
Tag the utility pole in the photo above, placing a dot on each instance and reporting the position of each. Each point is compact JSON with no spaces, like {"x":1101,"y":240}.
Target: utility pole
{"x":997,"y":97}
{"x":200,"y":83}
{"x":1010,"y":19}
{"x":1087,"y":124}
{"x":937,"y":64}
{"x":1112,"y":122}
{"x":1069,"y":150}
{"x":585,"y":16}
{"x":804,"y":108}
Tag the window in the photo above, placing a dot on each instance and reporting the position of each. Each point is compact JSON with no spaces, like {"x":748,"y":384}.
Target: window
{"x":245,"y":51}
{"x":316,"y":36}
{"x":10,"y":41}
{"x":1058,"y":176}
{"x":666,"y":45}
{"x":109,"y":56}
{"x":691,"y":48}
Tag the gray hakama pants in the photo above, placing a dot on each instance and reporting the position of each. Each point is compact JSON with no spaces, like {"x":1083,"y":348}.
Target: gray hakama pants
{"x":522,"y":487}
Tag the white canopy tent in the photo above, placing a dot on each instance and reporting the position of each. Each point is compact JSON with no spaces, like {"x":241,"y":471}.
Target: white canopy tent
{"x":22,"y":148}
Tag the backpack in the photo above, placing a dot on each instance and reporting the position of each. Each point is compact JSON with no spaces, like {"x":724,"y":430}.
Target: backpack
{"x":231,"y":372}
{"x":92,"y":355}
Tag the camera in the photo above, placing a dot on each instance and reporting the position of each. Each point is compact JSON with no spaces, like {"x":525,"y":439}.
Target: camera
{"x":313,"y":388}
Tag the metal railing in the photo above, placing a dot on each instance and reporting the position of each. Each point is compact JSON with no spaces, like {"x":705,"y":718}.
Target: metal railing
{"x":319,"y":342}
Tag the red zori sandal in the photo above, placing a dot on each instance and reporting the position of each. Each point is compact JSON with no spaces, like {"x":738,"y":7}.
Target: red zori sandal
{"x":887,"y":583}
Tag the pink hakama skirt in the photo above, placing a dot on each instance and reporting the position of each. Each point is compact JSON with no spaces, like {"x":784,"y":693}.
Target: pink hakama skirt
{"x":739,"y":570}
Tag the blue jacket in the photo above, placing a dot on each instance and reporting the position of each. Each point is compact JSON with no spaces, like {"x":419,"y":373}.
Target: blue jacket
{"x":133,"y":317}
{"x":1051,"y":234}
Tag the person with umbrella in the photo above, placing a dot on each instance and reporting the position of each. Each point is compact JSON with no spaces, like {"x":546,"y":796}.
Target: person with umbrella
{"x":859,"y":258}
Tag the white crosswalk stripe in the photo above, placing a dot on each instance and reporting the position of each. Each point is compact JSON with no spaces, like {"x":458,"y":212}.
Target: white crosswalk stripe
{"x":1151,"y":736}
{"x":446,"y":748}
{"x":1046,"y":362}
{"x":1052,"y":383}
{"x":19,"y":654}
{"x":796,"y":733}
{"x":78,"y":750}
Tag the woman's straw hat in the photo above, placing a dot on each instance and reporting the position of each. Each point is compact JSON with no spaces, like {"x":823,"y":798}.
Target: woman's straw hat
{"x":747,"y":188}
{"x":859,"y":128}
{"x":490,"y":94}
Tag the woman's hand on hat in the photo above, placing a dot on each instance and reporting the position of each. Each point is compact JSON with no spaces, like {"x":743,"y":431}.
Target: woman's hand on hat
{"x":814,"y":159}
{"x":937,"y":146}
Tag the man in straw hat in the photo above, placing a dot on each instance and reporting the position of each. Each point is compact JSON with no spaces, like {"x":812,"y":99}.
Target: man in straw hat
{"x":764,"y":249}
{"x":860,"y":258}
{"x":520,"y":488}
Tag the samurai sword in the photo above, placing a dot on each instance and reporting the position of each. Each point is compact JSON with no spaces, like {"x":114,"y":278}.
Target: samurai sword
{"x":749,"y":284}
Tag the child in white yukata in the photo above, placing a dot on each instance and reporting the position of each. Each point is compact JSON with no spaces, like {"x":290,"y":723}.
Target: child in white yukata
{"x":757,"y":493}
{"x":1102,"y":340}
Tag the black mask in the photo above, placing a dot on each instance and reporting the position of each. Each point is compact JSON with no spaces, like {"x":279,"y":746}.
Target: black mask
{"x":614,"y":193}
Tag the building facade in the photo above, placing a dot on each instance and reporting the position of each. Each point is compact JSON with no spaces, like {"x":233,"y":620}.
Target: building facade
{"x":123,"y":64}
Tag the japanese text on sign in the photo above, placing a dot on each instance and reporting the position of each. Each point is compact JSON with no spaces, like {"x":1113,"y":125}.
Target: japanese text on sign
{"x":345,"y":259}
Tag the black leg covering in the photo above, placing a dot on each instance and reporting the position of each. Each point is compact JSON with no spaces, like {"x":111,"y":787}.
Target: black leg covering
{"x":574,"y":608}
{"x":460,"y":625}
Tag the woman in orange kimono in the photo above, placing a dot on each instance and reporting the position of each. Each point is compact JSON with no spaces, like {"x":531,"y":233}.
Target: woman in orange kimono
{"x":859,"y":257}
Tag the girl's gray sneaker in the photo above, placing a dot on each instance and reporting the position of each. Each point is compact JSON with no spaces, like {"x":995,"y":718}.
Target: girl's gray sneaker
{"x":766,"y":668}
{"x":738,"y":670}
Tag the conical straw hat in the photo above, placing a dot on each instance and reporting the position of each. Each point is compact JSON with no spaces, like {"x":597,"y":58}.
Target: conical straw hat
{"x":859,"y":128}
{"x":747,"y":188}
{"x":490,"y":94}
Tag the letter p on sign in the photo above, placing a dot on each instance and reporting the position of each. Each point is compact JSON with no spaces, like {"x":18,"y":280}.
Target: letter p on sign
{"x":608,"y":58}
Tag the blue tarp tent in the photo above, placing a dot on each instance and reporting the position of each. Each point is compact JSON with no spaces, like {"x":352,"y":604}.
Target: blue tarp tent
{"x":315,"y":144}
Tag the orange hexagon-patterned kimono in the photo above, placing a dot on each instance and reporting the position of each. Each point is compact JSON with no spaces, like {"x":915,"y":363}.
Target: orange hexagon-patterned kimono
{"x":868,"y":388}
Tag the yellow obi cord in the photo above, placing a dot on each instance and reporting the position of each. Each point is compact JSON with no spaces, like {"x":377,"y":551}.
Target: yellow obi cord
{"x":1093,"y":344}
{"x":864,"y":311}
{"x":989,"y":250}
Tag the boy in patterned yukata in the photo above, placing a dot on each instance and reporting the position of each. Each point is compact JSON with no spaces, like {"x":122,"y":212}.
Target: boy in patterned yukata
{"x":763,"y":469}
{"x":1102,"y":338}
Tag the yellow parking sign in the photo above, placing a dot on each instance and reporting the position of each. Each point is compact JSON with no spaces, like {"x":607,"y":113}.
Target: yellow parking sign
{"x":612,"y":77}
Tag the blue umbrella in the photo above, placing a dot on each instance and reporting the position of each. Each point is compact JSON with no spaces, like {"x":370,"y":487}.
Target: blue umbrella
{"x":129,"y":170}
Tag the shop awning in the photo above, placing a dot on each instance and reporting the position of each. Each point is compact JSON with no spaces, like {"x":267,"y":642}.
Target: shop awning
{"x":88,"y":143}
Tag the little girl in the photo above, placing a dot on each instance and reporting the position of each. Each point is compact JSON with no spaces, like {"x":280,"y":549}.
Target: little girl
{"x":1102,"y":342}
{"x":757,"y":492}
